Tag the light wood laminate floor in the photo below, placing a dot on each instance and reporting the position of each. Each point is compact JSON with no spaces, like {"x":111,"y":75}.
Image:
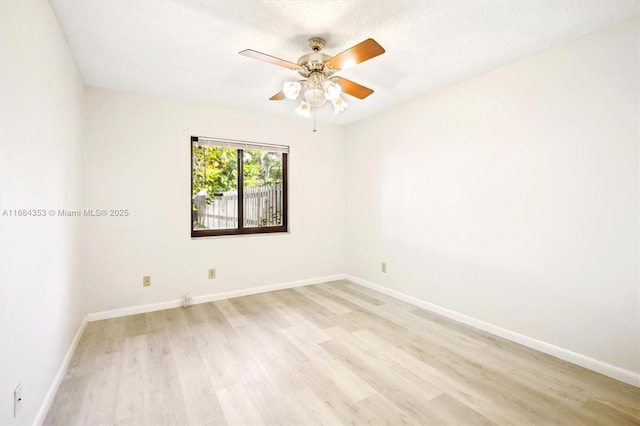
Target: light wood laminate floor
{"x":334,"y":353}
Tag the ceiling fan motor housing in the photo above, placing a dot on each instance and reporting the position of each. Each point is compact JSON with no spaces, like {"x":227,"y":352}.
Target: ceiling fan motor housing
{"x":313,"y":62}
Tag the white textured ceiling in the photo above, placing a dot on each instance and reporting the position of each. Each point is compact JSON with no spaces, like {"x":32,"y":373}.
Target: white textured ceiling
{"x":188,"y":49}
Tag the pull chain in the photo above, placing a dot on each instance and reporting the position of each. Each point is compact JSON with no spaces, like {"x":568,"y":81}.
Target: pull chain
{"x":313,"y":113}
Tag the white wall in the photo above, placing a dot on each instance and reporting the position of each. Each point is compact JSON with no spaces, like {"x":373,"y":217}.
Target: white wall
{"x":513,"y":197}
{"x":41,"y":296}
{"x":137,"y":157}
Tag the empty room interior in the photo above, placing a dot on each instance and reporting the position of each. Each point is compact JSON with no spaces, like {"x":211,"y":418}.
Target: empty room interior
{"x":319,"y":212}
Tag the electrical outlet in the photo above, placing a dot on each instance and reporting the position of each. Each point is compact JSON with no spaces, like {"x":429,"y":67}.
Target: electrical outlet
{"x":383,"y":267}
{"x":146,"y":281}
{"x":212,"y":273}
{"x":17,"y":400}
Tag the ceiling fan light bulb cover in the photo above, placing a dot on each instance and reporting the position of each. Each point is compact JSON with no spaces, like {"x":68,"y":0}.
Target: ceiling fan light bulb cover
{"x":291,"y":89}
{"x":339,"y":105}
{"x":332,"y":90}
{"x":304,"y":109}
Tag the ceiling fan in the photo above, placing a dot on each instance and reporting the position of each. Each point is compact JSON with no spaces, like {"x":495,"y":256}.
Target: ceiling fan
{"x":317,"y":68}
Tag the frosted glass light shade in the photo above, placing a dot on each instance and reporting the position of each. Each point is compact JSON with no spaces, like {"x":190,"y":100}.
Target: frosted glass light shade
{"x":339,"y":105}
{"x":304,"y":109}
{"x":331,"y":90}
{"x":291,"y":89}
{"x":315,"y":97}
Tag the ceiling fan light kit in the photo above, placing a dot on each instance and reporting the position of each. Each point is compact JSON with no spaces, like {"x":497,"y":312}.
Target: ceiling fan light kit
{"x":318,"y":69}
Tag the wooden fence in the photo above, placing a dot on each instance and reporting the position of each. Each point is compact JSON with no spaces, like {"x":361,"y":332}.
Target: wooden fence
{"x":262,"y":207}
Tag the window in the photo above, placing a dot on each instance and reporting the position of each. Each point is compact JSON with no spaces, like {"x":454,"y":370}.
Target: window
{"x":237,"y":187}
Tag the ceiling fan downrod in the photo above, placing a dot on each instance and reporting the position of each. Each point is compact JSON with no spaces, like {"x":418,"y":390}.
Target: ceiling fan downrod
{"x":316,"y":43}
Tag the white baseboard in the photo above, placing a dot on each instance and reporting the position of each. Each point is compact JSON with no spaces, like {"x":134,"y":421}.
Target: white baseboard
{"x":132,"y":310}
{"x":51,"y":393}
{"x":601,"y":367}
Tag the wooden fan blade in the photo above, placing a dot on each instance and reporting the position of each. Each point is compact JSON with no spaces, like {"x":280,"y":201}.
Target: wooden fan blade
{"x":359,"y":53}
{"x":353,"y":89}
{"x":268,"y":58}
{"x":278,"y":96}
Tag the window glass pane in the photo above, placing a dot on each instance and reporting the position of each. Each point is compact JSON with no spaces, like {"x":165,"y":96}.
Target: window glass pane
{"x":263,"y":195}
{"x":215,"y":187}
{"x":238,"y":187}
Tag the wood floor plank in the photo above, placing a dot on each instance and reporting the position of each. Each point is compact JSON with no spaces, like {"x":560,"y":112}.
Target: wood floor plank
{"x":233,"y":317}
{"x":335,"y":354}
{"x":342,"y":287}
{"x":132,"y":389}
{"x":238,"y":406}
{"x":164,"y":402}
{"x":386,"y":299}
{"x":397,"y":389}
{"x":447,"y":409}
{"x":196,"y":387}
{"x":378,"y":410}
{"x":335,"y":303}
{"x":341,"y":377}
{"x":311,"y":410}
{"x":604,"y":414}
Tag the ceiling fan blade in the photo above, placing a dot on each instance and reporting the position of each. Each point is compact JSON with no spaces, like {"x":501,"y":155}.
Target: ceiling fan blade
{"x":359,"y":53}
{"x":278,"y":96}
{"x":353,"y":89}
{"x":268,"y":58}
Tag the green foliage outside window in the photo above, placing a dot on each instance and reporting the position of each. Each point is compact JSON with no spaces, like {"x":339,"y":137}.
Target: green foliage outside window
{"x":215,"y":169}
{"x":262,"y":168}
